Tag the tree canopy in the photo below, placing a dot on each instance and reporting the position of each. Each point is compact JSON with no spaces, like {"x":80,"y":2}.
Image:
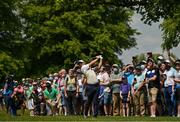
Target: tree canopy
{"x":40,"y":36}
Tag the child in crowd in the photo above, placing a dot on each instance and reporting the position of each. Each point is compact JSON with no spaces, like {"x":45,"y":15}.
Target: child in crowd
{"x":125,"y":88}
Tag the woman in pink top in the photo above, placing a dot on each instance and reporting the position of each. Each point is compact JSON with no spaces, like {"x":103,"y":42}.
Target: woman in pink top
{"x":18,"y":96}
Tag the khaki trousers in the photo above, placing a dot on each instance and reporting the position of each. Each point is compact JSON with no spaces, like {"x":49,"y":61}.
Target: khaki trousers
{"x":117,"y":104}
{"x":139,"y":104}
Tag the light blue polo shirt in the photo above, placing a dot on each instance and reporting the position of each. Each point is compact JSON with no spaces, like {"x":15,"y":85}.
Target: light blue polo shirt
{"x":130,"y":77}
{"x":139,"y":79}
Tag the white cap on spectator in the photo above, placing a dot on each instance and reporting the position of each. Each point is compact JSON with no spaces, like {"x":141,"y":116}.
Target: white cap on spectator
{"x":48,"y":82}
{"x":167,"y":61}
{"x":160,"y":57}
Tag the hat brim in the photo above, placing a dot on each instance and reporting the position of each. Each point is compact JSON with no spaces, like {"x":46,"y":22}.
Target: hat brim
{"x":176,"y":63}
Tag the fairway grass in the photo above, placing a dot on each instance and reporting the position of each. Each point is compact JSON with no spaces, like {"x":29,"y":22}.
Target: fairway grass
{"x":26,"y":117}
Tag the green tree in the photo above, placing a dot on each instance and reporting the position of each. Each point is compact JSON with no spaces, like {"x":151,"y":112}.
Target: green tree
{"x":153,"y":11}
{"x":40,"y":36}
{"x":171,"y":30}
{"x":61,"y":31}
{"x":10,"y":39}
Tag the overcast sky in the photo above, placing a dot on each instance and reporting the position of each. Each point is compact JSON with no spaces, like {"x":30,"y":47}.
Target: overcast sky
{"x":149,"y":41}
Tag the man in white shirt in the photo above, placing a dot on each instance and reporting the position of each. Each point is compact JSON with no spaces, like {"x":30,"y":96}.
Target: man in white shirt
{"x":92,"y":86}
{"x":169,"y":87}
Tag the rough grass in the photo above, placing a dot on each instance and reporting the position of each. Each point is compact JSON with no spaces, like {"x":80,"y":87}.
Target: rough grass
{"x":26,"y":117}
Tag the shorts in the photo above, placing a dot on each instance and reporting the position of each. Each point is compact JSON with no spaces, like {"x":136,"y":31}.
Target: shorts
{"x":153,"y":94}
{"x":101,"y":101}
{"x":63,"y":100}
{"x":125,"y":98}
{"x":30,"y":104}
{"x":107,"y":98}
{"x":177,"y":94}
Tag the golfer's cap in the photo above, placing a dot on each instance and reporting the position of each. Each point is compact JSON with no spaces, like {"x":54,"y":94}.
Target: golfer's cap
{"x":80,"y":61}
{"x":160,"y":57}
{"x":115,"y":65}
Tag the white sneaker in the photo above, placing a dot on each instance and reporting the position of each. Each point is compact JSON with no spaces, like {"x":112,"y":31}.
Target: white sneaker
{"x":65,"y":114}
{"x":178,"y":115}
{"x":153,"y":115}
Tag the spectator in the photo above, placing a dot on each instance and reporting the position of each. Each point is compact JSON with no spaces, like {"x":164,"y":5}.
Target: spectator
{"x":107,"y":96}
{"x":125,"y":89}
{"x":169,"y":88}
{"x":152,"y":78}
{"x":8,"y":92}
{"x":52,"y":97}
{"x":177,"y":81}
{"x":139,"y":92}
{"x":116,"y":75}
{"x":129,"y":73}
{"x":1,"y":100}
{"x":71,"y":92}
{"x":18,"y":96}
{"x":80,"y":103}
{"x":62,"y":81}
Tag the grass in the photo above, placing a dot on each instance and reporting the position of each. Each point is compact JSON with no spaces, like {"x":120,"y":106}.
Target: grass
{"x":26,"y":117}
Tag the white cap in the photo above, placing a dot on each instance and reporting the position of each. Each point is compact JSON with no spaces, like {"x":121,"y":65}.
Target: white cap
{"x":143,"y":61}
{"x":55,"y":74}
{"x":48,"y":82}
{"x":167,"y":61}
{"x":80,"y":61}
{"x":160,"y":57}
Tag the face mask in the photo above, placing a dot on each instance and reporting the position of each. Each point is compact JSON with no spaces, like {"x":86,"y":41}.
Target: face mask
{"x":142,"y":66}
{"x":115,"y":70}
{"x":56,"y":78}
{"x":159,"y":62}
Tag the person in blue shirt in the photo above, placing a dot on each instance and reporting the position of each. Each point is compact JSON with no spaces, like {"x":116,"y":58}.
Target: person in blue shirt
{"x":139,"y":91}
{"x":8,"y":91}
{"x":125,"y":89}
{"x":129,"y":73}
